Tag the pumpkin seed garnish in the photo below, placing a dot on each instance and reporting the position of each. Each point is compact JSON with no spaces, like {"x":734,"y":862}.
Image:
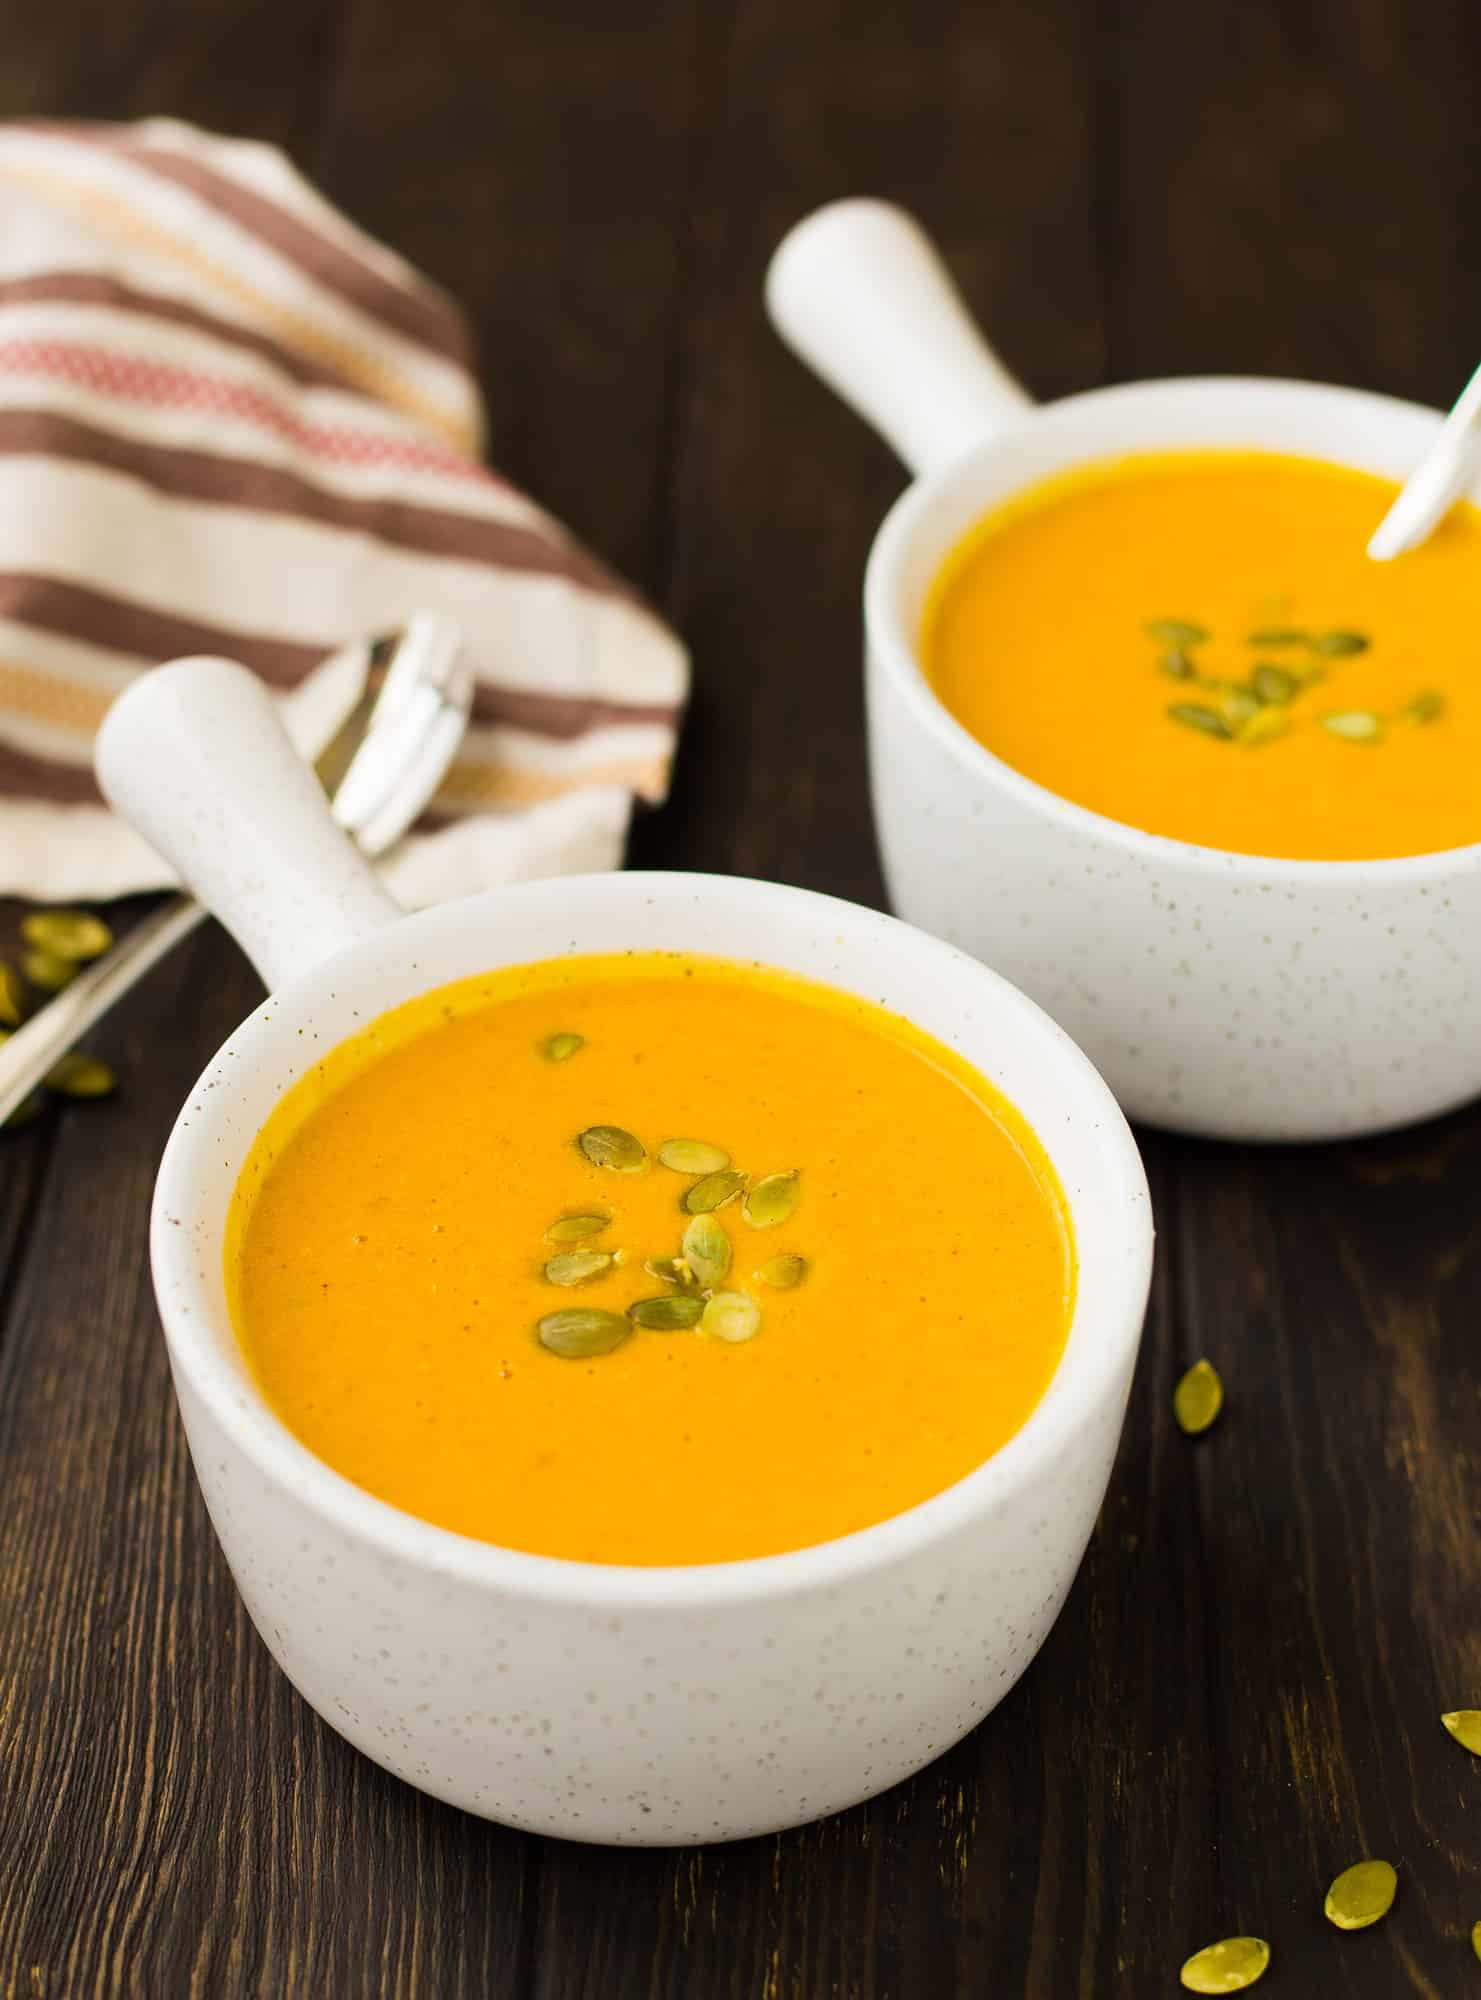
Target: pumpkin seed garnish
{"x":1464,"y":1725}
{"x":693,"y":1156}
{"x":1273,"y":684}
{"x":80,"y":1075}
{"x":731,"y":1316}
{"x":1194,"y":715}
{"x":577,"y":1267}
{"x":712,"y":1192}
{"x":1265,"y":725}
{"x":1424,"y":708}
{"x":580,"y":1332}
{"x":1177,"y":666}
{"x":1354,"y":725}
{"x":1337,"y":645}
{"x":783,"y":1273}
{"x":48,"y":972}
{"x":69,"y":934}
{"x":576,"y":1228}
{"x":773,"y":1200}
{"x":1239,"y":705}
{"x":610,"y":1146}
{"x":671,"y":1271}
{"x":12,"y":996}
{"x":706,"y":1250}
{"x":1230,"y":1966}
{"x":1174,"y":632}
{"x":1361,"y":1895}
{"x":1198,"y":1398}
{"x":560,"y":1048}
{"x":1278,"y":635}
{"x":670,"y":1313}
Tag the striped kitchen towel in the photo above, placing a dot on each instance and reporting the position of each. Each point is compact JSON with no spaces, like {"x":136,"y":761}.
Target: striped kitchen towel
{"x":232,"y":423}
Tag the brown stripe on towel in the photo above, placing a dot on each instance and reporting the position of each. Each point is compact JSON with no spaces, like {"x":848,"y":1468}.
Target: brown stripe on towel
{"x":564,"y":715}
{"x":420,"y":315}
{"x":121,"y":625}
{"x":24,"y":776}
{"x":188,"y":474}
{"x":96,"y":288}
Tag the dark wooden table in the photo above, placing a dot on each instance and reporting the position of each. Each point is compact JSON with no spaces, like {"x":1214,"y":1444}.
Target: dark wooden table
{"x":1243,"y":1693}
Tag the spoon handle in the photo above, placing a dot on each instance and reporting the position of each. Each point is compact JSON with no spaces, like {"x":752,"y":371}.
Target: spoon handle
{"x":1436,"y":483}
{"x":34,"y":1049}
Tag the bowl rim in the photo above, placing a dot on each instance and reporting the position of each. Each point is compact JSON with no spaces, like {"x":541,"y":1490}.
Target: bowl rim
{"x":893,"y":646}
{"x":1106,"y":1322}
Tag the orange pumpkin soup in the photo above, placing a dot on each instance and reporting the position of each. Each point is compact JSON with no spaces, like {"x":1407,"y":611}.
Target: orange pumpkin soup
{"x":648,"y":1259}
{"x":1195,"y":643}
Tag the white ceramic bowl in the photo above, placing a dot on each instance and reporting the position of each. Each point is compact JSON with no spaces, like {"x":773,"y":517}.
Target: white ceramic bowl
{"x":602,"y":1703}
{"x":1218,"y":993}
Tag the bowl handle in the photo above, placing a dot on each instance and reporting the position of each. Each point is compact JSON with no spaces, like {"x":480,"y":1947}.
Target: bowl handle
{"x":195,"y":756}
{"x":858,"y":290}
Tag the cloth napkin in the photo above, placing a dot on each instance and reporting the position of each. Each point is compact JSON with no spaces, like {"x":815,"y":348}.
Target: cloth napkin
{"x":231,"y":422}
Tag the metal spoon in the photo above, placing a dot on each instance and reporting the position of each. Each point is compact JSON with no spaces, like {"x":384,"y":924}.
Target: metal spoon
{"x":1445,"y":472}
{"x":383,"y":765}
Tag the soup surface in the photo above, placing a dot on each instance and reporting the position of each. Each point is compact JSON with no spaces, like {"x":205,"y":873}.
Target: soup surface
{"x":1196,"y":644}
{"x":389,"y":1262}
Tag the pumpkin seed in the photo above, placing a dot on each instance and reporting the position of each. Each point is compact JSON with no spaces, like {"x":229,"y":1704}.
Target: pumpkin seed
{"x":48,"y":972}
{"x":577,"y":1267}
{"x":80,"y":1075}
{"x":1174,"y":632}
{"x":671,"y":1271}
{"x":1361,"y":1895}
{"x":1278,"y":635}
{"x":1273,"y":684}
{"x":1177,"y":666}
{"x":783,"y":1273}
{"x":1238,"y":705}
{"x":561,"y":1047}
{"x":610,"y":1146}
{"x":12,"y":996}
{"x":1265,"y":725}
{"x":669,"y":1314}
{"x":706,"y":1250}
{"x":1354,"y":725}
{"x":580,"y":1332}
{"x":773,"y":1200}
{"x":69,"y":934}
{"x":1194,"y":715}
{"x":1337,"y":645}
{"x":1464,"y":1725}
{"x":1230,"y":1966}
{"x":692,"y":1156}
{"x":712,"y":1192}
{"x":1424,"y":708}
{"x":1198,"y":1398}
{"x":731,"y":1316}
{"x":576,"y":1228}
{"x":1476,"y":1939}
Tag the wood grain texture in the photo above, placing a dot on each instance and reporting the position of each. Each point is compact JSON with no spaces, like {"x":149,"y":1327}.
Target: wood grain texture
{"x":1243,"y":1692}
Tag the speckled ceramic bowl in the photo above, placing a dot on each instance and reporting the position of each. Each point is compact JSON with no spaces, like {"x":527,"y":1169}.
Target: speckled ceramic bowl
{"x":1218,"y":993}
{"x":595,"y":1702}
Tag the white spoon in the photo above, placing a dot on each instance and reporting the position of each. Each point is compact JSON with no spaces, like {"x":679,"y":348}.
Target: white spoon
{"x":1444,"y":473}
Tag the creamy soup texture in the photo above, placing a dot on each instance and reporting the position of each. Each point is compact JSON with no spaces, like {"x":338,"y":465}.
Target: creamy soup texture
{"x":389,"y":1261}
{"x":1195,"y":643}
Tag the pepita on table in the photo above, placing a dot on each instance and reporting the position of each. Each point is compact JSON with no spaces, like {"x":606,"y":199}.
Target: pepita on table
{"x":1230,"y":1966}
{"x":1361,"y":1895}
